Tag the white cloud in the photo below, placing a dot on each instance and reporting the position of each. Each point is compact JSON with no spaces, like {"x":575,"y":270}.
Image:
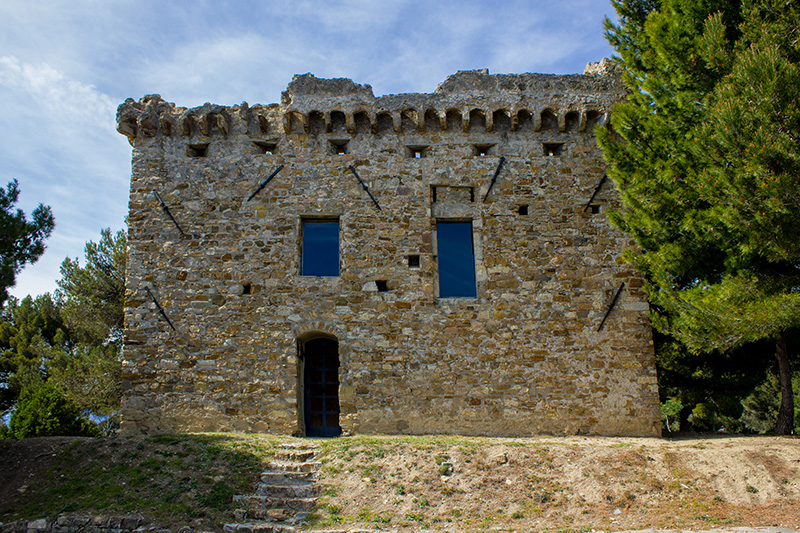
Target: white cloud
{"x":64,"y":99}
{"x":57,"y":138}
{"x":227,"y":69}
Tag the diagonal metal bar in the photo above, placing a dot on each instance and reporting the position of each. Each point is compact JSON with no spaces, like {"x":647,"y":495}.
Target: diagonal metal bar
{"x":167,"y":211}
{"x":364,"y":186}
{"x":160,"y":309}
{"x":494,"y":178}
{"x":264,"y":183}
{"x":596,"y":190}
{"x":611,"y":306}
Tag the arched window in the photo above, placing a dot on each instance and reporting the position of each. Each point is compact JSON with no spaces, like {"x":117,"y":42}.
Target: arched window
{"x":316,"y":123}
{"x":501,"y":120}
{"x":477,"y":120}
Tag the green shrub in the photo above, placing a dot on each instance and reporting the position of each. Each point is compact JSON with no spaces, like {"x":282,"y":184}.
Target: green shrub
{"x":45,"y":411}
{"x":670,"y":414}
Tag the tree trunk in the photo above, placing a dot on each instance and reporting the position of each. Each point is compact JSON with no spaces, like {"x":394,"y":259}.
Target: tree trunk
{"x":785,"y":421}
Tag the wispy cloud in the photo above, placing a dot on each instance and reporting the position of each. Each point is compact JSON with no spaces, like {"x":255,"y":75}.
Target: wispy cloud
{"x":59,"y":141}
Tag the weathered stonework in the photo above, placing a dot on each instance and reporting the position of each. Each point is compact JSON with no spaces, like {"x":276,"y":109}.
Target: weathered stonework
{"x":523,"y":357}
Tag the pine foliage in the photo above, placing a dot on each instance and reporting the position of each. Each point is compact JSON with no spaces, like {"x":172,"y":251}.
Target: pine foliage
{"x":706,"y":155}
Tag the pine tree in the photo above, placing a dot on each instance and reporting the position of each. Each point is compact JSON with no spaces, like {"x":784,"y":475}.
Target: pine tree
{"x":706,"y":155}
{"x":21,"y":241}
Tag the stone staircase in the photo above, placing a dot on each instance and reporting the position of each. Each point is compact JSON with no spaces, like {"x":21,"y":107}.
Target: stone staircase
{"x":285,"y":496}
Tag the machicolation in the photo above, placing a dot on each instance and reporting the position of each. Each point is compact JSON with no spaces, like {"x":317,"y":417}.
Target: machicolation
{"x":411,"y":263}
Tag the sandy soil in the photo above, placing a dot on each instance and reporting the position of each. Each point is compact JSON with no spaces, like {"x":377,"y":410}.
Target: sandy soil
{"x":564,"y":484}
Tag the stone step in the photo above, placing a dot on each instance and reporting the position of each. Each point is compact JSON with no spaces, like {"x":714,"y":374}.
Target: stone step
{"x":270,"y":515}
{"x":266,"y":502}
{"x":286,"y":494}
{"x":307,"y":490}
{"x":295,"y":466}
{"x":296,"y":455}
{"x":280,"y":516}
{"x":347,"y":530}
{"x":258,"y":527}
{"x":277,"y":477}
{"x":301,"y":445}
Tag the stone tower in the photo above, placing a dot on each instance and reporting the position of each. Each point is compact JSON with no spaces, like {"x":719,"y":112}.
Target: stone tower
{"x":412,"y":263}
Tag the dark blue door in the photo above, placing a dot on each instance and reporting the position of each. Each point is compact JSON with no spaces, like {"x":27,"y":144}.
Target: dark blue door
{"x":321,"y":387}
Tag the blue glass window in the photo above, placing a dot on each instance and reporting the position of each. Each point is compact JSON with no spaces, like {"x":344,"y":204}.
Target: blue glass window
{"x":456,"y":259}
{"x":320,"y":253}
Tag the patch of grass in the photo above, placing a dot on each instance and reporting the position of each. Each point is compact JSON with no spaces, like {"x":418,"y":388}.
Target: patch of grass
{"x":367,"y":515}
{"x":219,"y":496}
{"x":421,"y":501}
{"x":334,"y":514}
{"x":168,"y":478}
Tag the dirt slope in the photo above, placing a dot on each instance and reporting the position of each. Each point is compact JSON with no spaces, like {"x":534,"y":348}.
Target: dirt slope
{"x":423,"y":483}
{"x":566,"y":484}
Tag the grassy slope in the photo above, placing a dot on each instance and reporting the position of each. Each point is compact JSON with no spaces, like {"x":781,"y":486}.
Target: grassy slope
{"x":413,"y":483}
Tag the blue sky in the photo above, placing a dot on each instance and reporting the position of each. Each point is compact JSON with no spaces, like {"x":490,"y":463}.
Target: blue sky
{"x":66,"y":65}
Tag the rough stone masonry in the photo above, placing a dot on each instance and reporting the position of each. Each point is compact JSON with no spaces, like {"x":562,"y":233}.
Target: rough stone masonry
{"x":342,"y":263}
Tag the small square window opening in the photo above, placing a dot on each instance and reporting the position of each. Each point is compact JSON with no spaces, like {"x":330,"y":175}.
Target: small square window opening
{"x":481,"y":150}
{"x":382,"y":285}
{"x":522,"y":210}
{"x":339,"y":147}
{"x":197,"y":150}
{"x":247,"y":288}
{"x":594,"y":209}
{"x":417,"y":152}
{"x":413,"y":261}
{"x":552,"y":149}
{"x":266,"y":147}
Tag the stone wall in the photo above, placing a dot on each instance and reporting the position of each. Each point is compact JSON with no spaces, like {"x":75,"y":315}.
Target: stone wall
{"x":525,"y":356}
{"x":85,"y":524}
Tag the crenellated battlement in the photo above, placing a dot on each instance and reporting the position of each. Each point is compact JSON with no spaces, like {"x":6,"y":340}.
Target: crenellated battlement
{"x":468,"y":101}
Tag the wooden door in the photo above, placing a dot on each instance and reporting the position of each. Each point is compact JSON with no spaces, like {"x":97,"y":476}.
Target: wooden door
{"x":321,"y":387}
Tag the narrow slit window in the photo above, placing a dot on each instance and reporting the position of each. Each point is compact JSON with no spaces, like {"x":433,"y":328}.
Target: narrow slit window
{"x":456,"y":259}
{"x":320,"y":248}
{"x":197,"y":150}
{"x":552,"y":149}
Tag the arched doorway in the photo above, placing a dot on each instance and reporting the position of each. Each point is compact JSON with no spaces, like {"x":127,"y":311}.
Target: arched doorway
{"x":320,"y":357}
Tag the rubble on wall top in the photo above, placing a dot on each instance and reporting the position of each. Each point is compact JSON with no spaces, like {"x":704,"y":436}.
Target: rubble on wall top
{"x":604,"y":67}
{"x":480,"y":81}
{"x":310,"y":84}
